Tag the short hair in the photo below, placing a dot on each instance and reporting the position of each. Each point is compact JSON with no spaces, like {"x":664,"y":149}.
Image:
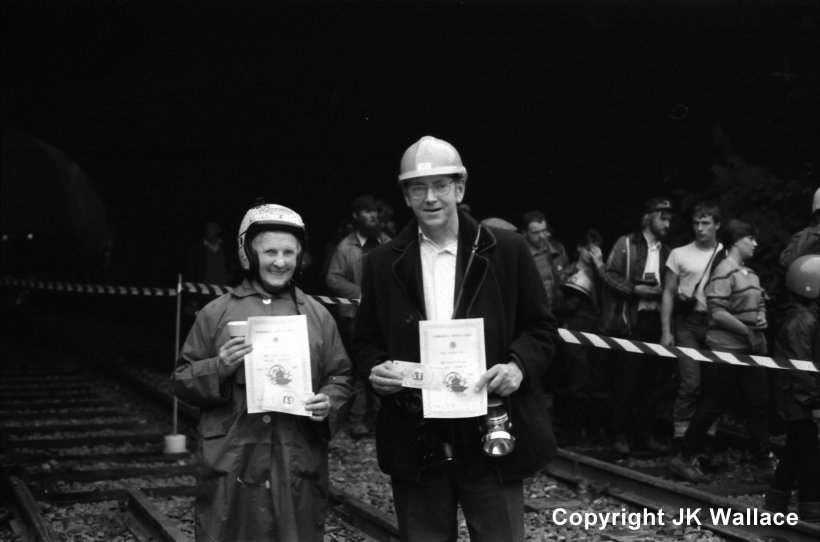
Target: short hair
{"x":365,"y":202}
{"x":736,"y":230}
{"x":530,"y":217}
{"x":707,"y":208}
{"x":590,"y":237}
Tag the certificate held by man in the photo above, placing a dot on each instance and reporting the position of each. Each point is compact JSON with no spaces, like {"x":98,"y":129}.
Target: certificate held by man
{"x":277,"y":371}
{"x":453,"y":350}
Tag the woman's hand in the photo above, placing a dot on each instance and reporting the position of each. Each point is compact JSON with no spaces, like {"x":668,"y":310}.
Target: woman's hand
{"x":318,"y":406}
{"x":231,"y":356}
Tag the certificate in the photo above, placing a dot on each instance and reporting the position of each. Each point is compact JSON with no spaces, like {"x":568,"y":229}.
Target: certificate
{"x":452,"y":360}
{"x":277,"y":371}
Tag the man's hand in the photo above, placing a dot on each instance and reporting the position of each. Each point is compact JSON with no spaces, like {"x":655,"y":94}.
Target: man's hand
{"x":645,"y":291}
{"x":318,"y":406}
{"x":385,"y":379}
{"x":231,"y":356}
{"x":667,"y":339}
{"x":502,"y":379}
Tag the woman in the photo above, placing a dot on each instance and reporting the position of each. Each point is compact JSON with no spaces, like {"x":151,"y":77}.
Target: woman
{"x":262,"y":476}
{"x":737,"y":319}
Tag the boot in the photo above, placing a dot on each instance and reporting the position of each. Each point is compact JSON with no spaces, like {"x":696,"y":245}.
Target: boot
{"x":777,"y":500}
{"x":688,"y":469}
{"x":809,"y":512}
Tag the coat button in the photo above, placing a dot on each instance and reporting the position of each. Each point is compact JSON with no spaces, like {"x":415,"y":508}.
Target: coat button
{"x":266,"y":418}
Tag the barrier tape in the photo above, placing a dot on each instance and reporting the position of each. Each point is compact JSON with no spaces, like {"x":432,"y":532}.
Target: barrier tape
{"x":567,"y":335}
{"x":187,"y":287}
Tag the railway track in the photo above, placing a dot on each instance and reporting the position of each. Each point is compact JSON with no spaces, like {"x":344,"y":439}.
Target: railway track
{"x":68,"y":436}
{"x":82,"y":453}
{"x":654,"y":493}
{"x":79,"y":453}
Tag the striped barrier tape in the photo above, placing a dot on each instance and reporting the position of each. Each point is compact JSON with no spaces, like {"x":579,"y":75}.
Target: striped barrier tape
{"x":679,"y":352}
{"x":567,"y":335}
{"x":187,"y":287}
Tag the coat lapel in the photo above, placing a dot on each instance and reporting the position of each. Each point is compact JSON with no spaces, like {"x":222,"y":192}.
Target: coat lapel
{"x":407,"y":267}
{"x":474,"y":277}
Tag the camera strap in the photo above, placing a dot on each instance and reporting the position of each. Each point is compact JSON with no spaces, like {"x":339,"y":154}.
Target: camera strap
{"x":467,"y":270}
{"x":706,"y":270}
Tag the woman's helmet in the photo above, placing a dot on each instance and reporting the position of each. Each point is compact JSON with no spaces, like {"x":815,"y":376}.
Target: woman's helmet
{"x":803,"y":276}
{"x":267,"y":217}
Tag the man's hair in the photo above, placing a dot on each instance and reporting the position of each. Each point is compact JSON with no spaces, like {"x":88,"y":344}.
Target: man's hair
{"x":532,"y":216}
{"x":736,"y":230}
{"x":707,"y":208}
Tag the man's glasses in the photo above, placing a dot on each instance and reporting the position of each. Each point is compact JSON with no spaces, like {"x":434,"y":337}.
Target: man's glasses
{"x":420,"y":190}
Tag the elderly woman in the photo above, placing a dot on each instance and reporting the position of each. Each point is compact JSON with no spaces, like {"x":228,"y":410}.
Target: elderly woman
{"x":262,"y":476}
{"x":737,"y":319}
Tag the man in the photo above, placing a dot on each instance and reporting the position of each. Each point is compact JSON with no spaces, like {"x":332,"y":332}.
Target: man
{"x":549,"y":254}
{"x":344,"y":278}
{"x":262,"y":476}
{"x":444,"y":266}
{"x":633,"y":284}
{"x":687,"y":273}
{"x":807,"y":240}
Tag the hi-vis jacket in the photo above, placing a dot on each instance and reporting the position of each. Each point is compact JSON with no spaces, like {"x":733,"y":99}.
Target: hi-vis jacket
{"x":261,"y":476}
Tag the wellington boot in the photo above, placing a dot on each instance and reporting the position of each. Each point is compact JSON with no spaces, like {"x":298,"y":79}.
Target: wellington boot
{"x":777,"y":500}
{"x":809,"y":512}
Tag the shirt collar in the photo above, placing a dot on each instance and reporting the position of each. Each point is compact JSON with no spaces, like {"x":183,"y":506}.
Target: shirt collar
{"x":652,"y":246}
{"x":452,"y":248}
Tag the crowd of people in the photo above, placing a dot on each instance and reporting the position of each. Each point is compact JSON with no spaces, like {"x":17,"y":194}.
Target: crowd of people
{"x":264,"y":475}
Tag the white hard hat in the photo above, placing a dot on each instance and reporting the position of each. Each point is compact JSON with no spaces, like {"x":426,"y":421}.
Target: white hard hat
{"x":267,"y":217}
{"x":431,"y":156}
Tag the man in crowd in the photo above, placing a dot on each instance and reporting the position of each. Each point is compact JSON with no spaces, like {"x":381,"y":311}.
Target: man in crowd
{"x":633,"y":284}
{"x":442,"y":266}
{"x":684,"y":315}
{"x":807,"y":240}
{"x":549,"y":254}
{"x":344,"y":279}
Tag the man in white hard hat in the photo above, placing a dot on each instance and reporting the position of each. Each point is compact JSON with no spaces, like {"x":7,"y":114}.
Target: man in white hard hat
{"x":807,"y":240}
{"x":444,"y":266}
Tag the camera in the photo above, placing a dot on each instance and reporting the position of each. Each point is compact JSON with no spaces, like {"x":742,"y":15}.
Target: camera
{"x":435,"y":449}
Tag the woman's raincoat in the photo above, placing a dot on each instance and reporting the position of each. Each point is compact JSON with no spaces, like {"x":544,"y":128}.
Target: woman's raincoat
{"x":262,"y":476}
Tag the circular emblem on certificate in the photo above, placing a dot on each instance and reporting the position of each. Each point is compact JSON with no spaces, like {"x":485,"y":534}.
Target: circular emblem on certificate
{"x":279,"y":375}
{"x":455,"y":382}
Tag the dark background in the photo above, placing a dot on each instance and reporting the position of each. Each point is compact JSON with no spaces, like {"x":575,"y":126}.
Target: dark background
{"x":131,"y":122}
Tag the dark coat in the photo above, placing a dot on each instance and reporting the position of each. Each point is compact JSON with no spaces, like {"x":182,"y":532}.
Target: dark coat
{"x":797,"y":393}
{"x":503,"y":287}
{"x":623,"y":270}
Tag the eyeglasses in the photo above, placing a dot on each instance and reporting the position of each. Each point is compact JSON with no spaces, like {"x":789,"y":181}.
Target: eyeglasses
{"x":439,"y":188}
